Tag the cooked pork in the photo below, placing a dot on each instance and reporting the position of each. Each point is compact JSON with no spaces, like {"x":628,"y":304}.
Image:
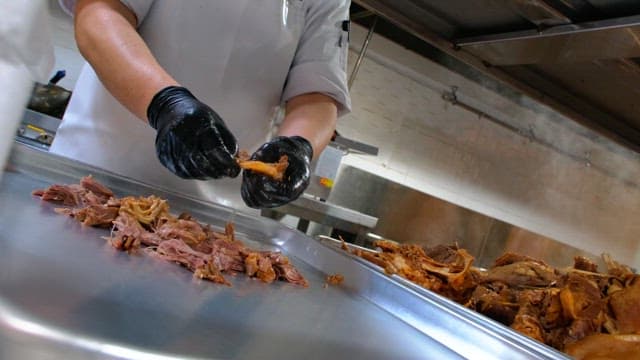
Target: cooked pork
{"x":146,"y":222}
{"x":335,"y":279}
{"x":606,"y":347}
{"x":273,"y":170}
{"x":559,"y":307}
{"x":92,"y":215}
{"x":582,"y":263}
{"x":523,"y":274}
{"x":495,"y":300}
{"x":625,"y":307}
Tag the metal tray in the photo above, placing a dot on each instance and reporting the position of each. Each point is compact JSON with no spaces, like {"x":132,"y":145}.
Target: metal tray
{"x":65,"y":293}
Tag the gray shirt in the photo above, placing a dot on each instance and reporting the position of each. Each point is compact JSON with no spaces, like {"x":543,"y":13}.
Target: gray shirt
{"x":242,"y":57}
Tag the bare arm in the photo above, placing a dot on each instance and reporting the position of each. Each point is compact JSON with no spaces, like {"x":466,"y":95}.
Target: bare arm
{"x":312,"y":116}
{"x":107,"y":38}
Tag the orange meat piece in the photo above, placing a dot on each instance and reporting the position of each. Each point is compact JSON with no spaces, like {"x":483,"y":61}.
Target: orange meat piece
{"x":273,"y":170}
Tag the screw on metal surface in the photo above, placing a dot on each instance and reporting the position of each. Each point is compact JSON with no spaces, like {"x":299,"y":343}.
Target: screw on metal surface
{"x":587,"y":158}
{"x":451,"y":96}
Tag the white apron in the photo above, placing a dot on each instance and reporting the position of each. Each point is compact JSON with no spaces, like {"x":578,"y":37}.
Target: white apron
{"x":232,"y":55}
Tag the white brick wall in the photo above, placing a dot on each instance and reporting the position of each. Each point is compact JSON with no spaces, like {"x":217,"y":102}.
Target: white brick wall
{"x":448,"y":152}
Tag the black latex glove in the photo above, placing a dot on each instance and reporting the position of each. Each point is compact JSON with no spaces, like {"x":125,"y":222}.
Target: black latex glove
{"x":192,"y":140}
{"x":259,"y":191}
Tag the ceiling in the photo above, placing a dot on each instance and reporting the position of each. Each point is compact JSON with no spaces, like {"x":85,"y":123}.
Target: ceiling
{"x":580,"y":57}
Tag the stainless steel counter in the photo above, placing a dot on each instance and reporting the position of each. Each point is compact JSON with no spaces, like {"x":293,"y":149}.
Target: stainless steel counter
{"x":65,"y":293}
{"x":310,"y":209}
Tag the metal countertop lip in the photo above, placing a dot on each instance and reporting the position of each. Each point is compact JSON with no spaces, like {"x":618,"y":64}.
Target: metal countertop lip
{"x":307,"y":202}
{"x":414,"y":321}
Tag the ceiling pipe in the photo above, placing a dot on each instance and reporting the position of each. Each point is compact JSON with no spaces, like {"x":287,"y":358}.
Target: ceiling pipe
{"x":363,"y":51}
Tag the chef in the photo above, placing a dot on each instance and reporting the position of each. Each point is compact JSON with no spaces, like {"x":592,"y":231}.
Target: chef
{"x":173,"y":89}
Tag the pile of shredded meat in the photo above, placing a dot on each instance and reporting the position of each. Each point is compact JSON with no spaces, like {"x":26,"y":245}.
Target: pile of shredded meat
{"x":577,"y":310}
{"x":146,"y":222}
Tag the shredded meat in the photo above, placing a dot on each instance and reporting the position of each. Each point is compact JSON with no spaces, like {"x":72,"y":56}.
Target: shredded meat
{"x":512,"y":258}
{"x":582,"y":263}
{"x":527,"y":321}
{"x":128,"y":234}
{"x":146,"y":222}
{"x":147,"y":210}
{"x":69,"y":195}
{"x":101,"y":191}
{"x":98,"y":215}
{"x":251,"y":264}
{"x":625,"y":307}
{"x":615,"y":268}
{"x":335,"y":279}
{"x":273,"y":170}
{"x":285,"y":270}
{"x":495,"y":300}
{"x":189,"y":231}
{"x":88,"y":192}
{"x":559,"y":307}
{"x":451,"y":276}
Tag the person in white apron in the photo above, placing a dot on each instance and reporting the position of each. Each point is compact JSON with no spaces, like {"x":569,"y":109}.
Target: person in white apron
{"x":192,"y":64}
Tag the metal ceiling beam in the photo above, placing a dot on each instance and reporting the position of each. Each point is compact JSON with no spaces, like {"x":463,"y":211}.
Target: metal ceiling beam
{"x":607,"y":39}
{"x":362,"y":53}
{"x":361,"y":15}
{"x":571,"y":29}
{"x":626,"y":136}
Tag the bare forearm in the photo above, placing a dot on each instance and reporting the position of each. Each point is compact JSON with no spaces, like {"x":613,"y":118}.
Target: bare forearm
{"x":312,"y":116}
{"x":107,"y":38}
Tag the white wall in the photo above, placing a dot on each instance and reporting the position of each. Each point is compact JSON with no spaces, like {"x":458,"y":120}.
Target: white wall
{"x":453,"y":154}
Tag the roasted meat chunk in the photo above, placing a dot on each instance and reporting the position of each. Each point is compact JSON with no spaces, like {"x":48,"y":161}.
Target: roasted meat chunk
{"x":625,"y":307}
{"x":562,"y":307}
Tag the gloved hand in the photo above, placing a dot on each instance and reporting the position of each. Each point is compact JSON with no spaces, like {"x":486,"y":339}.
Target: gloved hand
{"x":259,"y":191}
{"x":192,"y":140}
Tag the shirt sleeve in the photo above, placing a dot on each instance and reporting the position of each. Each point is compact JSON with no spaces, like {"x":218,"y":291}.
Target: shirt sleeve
{"x":139,"y":7}
{"x":320,"y":62}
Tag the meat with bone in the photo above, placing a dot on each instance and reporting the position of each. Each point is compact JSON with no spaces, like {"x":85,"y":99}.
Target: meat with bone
{"x":528,"y":320}
{"x":524,"y":273}
{"x":146,"y":222}
{"x":625,"y":307}
{"x":557,"y":306}
{"x":495,"y":300}
{"x":452,"y":276}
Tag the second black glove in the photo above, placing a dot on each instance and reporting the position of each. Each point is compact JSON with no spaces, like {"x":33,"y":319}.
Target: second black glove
{"x":192,"y":141}
{"x":259,"y":191}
